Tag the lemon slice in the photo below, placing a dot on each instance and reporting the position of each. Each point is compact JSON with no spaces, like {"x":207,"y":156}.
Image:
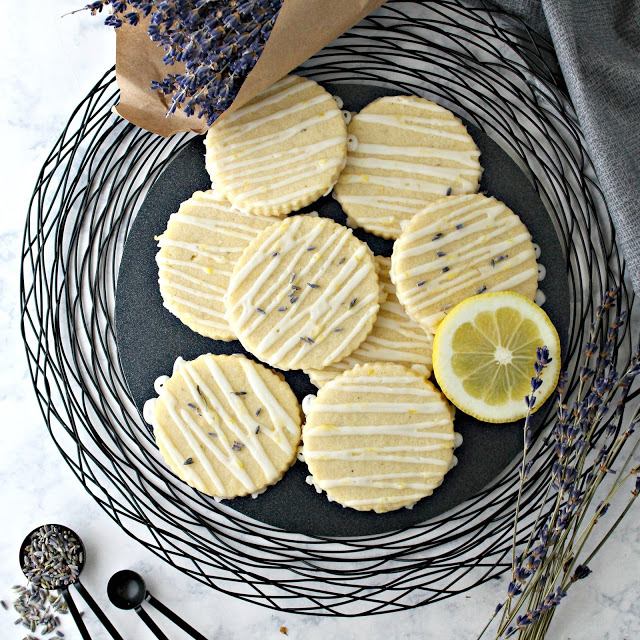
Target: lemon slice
{"x":484,"y":353}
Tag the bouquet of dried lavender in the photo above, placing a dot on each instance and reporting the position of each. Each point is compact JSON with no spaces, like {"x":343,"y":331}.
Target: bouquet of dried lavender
{"x":588,"y":437}
{"x":218,"y":41}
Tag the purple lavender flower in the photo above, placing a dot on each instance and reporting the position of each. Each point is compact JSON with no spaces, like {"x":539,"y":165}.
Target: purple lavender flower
{"x":602,"y":508}
{"x":587,"y":426}
{"x":580,"y":573}
{"x":218,"y":41}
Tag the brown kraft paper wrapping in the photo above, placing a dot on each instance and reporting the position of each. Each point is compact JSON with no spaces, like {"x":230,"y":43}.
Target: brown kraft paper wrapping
{"x":302,"y":28}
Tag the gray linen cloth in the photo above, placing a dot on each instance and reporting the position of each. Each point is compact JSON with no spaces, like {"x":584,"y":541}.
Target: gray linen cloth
{"x":598,"y":47}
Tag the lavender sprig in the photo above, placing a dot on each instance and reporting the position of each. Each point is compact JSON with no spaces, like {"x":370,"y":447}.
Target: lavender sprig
{"x":219,"y":42}
{"x":587,"y":438}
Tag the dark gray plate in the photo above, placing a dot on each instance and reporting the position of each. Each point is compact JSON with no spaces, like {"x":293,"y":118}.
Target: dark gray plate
{"x":150,"y":339}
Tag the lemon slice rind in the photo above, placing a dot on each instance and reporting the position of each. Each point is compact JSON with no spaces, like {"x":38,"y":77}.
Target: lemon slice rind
{"x":443,"y":351}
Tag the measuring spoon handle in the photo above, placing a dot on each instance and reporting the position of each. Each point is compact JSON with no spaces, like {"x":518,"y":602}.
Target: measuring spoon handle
{"x":176,"y":619}
{"x":75,"y":614}
{"x":98,"y":611}
{"x":146,"y":618}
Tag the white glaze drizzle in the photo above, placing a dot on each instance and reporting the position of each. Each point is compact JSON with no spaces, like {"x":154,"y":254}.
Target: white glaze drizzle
{"x":159,"y":383}
{"x":414,"y":430}
{"x":231,"y":133}
{"x":285,"y":87}
{"x":212,"y":404}
{"x":307,"y":401}
{"x":395,"y":337}
{"x":477,"y":227}
{"x":317,"y":311}
{"x":411,"y":445}
{"x":542,"y":272}
{"x":149,"y":409}
{"x":251,"y":163}
{"x":450,"y":173}
{"x":386,"y":184}
{"x":279,"y":159}
{"x":427,"y":126}
{"x":466,"y":157}
{"x":194,"y":275}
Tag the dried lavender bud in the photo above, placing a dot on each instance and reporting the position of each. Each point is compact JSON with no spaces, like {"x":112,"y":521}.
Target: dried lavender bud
{"x":580,"y":573}
{"x":36,"y":607}
{"x":52,"y":558}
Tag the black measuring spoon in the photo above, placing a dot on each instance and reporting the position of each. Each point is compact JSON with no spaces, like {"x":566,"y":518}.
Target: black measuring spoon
{"x":73,"y":563}
{"x":126,"y":590}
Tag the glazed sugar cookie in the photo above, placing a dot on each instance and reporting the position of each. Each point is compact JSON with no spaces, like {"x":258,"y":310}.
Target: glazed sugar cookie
{"x":404,"y":152}
{"x":395,"y":337}
{"x":304,"y":293}
{"x":378,"y":437}
{"x":202,"y":242}
{"x":458,"y":247}
{"x":226,"y":425}
{"x":281,"y":151}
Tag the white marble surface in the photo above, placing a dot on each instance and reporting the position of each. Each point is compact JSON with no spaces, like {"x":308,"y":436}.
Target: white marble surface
{"x":49,"y":64}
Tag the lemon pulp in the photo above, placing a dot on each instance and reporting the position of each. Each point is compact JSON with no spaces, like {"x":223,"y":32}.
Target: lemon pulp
{"x":494,"y":355}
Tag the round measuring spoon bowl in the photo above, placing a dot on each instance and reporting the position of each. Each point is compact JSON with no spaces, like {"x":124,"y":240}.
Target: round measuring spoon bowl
{"x":52,"y":542}
{"x":62,"y":545}
{"x":126,"y":589}
{"x":52,"y":556}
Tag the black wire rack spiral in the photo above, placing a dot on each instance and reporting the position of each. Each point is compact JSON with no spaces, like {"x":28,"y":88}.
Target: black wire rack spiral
{"x":484,"y":65}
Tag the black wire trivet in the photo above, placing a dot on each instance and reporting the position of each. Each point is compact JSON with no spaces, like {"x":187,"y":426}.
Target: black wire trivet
{"x":481,"y":63}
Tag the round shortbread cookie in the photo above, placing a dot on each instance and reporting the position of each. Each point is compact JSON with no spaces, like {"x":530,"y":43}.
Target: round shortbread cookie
{"x":395,"y":337}
{"x":226,"y":425}
{"x":281,"y":151}
{"x":202,"y":242}
{"x":304,"y":293}
{"x":458,"y":247}
{"x":404,"y":152}
{"x":378,"y":437}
